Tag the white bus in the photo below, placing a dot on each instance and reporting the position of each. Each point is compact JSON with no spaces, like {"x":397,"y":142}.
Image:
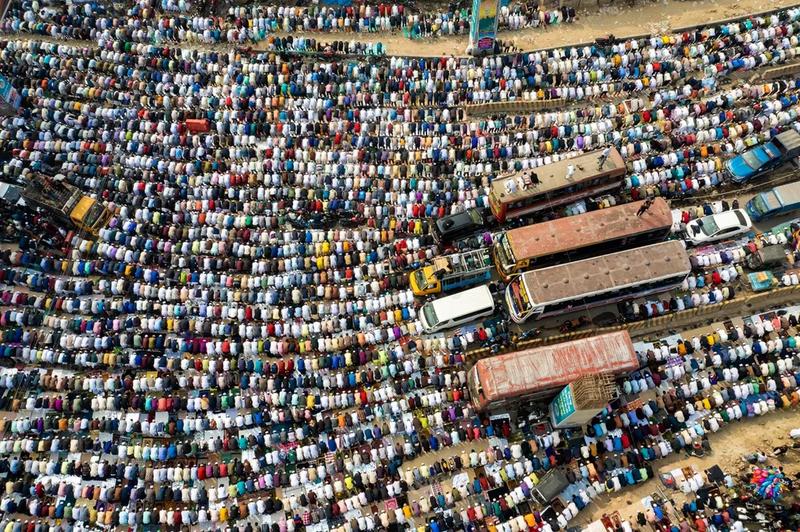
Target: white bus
{"x":599,"y":281}
{"x":458,"y":309}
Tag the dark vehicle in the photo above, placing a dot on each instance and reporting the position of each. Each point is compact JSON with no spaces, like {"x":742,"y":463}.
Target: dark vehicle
{"x":458,"y":226}
{"x":552,"y":484}
{"x":766,"y":256}
{"x":756,"y":161}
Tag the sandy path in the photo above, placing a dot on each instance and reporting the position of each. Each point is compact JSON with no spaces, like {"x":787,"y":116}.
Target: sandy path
{"x":622,"y":21}
{"x":728,"y":447}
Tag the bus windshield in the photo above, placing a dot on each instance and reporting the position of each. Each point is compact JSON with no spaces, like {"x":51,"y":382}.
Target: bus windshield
{"x":475,"y":389}
{"x":520,"y":301}
{"x":505,"y":254}
{"x":430,"y":315}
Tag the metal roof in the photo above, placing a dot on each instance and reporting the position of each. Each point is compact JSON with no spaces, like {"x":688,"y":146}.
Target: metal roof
{"x":575,"y":232}
{"x":542,"y":368}
{"x":553,"y":176}
{"x":568,"y":281}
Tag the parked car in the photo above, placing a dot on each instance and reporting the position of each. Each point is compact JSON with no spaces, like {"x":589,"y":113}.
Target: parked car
{"x":458,"y":226}
{"x":756,"y":161}
{"x":719,"y":226}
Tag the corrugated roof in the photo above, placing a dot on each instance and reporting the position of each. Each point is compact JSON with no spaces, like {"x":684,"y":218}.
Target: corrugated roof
{"x":556,"y":365}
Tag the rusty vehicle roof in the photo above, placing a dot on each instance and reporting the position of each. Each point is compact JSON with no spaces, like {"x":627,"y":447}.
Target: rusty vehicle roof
{"x":552,"y":366}
{"x":594,"y":227}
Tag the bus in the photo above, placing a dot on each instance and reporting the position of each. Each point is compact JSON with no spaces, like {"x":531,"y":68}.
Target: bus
{"x":518,"y":195}
{"x":578,"y":237}
{"x":539,"y":372}
{"x":599,"y":281}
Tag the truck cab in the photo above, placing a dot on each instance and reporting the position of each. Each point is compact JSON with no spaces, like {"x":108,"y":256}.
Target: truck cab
{"x":451,"y":272}
{"x":761,"y":159}
{"x":779,"y":200}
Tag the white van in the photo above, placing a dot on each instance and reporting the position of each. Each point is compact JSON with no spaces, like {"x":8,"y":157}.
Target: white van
{"x":458,"y":309}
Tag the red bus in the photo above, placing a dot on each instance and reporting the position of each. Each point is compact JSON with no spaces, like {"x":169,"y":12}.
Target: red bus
{"x":541,"y":371}
{"x":516,"y":196}
{"x":578,"y":237}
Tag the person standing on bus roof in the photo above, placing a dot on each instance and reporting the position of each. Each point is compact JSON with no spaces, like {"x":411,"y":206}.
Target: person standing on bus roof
{"x":570,"y":171}
{"x":603,"y":157}
{"x":643,"y":209}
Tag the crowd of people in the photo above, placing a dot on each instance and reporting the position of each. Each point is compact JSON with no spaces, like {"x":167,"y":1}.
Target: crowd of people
{"x":225,"y":362}
{"x":182,"y":21}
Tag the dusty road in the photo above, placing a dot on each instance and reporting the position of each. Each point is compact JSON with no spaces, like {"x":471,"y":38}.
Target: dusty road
{"x":621,"y":20}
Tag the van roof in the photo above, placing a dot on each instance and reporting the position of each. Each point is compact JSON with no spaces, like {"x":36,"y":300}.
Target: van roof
{"x":449,"y":306}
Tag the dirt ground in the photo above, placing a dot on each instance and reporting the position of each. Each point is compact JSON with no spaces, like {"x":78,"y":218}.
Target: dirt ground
{"x":728,"y":447}
{"x":621,"y":20}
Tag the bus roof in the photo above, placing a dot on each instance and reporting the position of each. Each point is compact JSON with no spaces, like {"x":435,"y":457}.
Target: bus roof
{"x":588,"y":276}
{"x":553,"y":176}
{"x":594,"y":227}
{"x":553,"y":366}
{"x":458,"y":304}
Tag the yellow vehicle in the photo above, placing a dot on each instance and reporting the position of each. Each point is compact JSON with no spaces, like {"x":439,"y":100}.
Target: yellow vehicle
{"x":452,"y":271}
{"x":66,"y":202}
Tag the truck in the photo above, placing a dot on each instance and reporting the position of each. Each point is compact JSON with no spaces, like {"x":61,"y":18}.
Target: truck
{"x":66,"y":203}
{"x":540,"y":372}
{"x":450,"y":272}
{"x":581,"y":400}
{"x":784,"y":147}
{"x":779,"y":200}
{"x":766,"y":256}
